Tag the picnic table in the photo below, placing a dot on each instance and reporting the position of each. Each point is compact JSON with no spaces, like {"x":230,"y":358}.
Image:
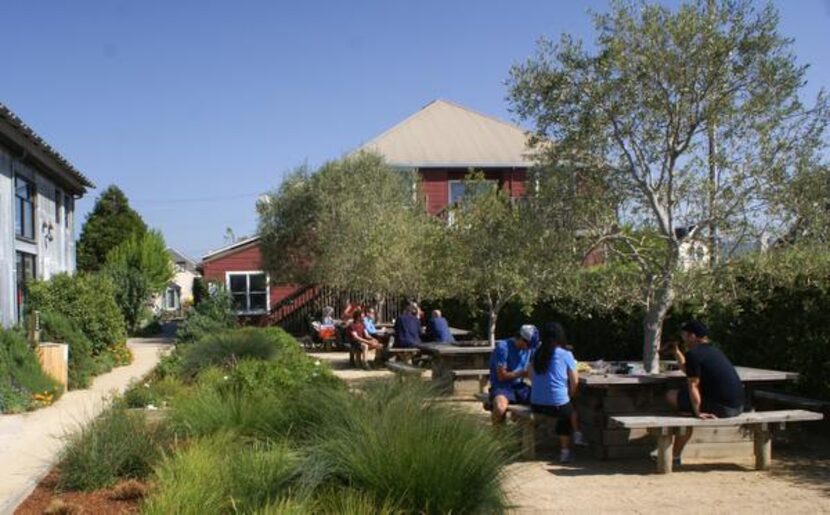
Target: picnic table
{"x":457,"y":333}
{"x":471,"y":359}
{"x":603,"y":396}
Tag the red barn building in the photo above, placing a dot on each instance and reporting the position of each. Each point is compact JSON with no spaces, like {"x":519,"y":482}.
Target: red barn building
{"x":443,"y":142}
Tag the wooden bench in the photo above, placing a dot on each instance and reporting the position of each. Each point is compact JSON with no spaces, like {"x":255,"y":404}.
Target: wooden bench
{"x":759,"y":422}
{"x":521,"y":415}
{"x":405,"y":370}
{"x":406,"y":354}
{"x":483,"y":376}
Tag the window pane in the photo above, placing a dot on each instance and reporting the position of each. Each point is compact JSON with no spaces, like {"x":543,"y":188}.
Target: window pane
{"x":238,"y":283}
{"x":67,"y":202}
{"x":456,"y":191}
{"x":18,"y":217}
{"x":258,"y":282}
{"x":240,"y":301}
{"x":259,"y":302}
{"x":28,"y":220}
{"x":58,"y":200}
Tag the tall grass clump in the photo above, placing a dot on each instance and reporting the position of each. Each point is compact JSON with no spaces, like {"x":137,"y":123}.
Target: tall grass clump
{"x":227,"y":348}
{"x":117,"y":445}
{"x":222,"y":474}
{"x":21,"y":376}
{"x":393,"y":444}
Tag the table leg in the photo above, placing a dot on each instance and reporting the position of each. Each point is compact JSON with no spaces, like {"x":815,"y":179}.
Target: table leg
{"x":763,"y":447}
{"x":664,"y":450}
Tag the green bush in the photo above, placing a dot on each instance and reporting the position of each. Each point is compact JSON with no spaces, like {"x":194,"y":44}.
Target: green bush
{"x":215,"y":313}
{"x":117,"y":445}
{"x":21,"y":376}
{"x":221,"y":474}
{"x":155,"y":392}
{"x":227,"y":348}
{"x":132,"y":290}
{"x":57,"y":328}
{"x":392,"y":444}
{"x":88,"y":301}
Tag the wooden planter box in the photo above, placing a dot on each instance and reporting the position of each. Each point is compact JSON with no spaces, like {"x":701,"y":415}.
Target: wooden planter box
{"x":54,"y":360}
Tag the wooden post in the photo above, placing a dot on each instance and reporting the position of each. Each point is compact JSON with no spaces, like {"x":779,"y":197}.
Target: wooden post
{"x":763,"y":447}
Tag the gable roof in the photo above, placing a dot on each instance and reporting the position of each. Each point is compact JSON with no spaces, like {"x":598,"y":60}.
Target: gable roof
{"x":233,"y":247}
{"x":181,"y":259}
{"x":444,"y":134}
{"x":16,"y":133}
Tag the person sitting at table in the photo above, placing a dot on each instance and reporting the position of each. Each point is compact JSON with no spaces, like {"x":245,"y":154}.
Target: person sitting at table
{"x":438,"y":329}
{"x":348,"y":311}
{"x":554,"y":381}
{"x":408,"y":327}
{"x":713,"y":389}
{"x":361,"y":339}
{"x":328,"y":317}
{"x":508,"y":368}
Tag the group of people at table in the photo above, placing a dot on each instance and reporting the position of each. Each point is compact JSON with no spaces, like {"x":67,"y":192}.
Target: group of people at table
{"x":409,"y":329}
{"x":713,"y":388}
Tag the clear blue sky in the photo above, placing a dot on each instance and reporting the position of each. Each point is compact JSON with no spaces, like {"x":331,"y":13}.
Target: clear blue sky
{"x":194,"y":107}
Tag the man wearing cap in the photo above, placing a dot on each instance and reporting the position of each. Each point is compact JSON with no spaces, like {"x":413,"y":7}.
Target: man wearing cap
{"x":714,"y":389}
{"x":508,"y":367}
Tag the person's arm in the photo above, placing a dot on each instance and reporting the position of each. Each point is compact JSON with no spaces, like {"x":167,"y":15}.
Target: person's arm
{"x":695,"y":399}
{"x":573,"y":376}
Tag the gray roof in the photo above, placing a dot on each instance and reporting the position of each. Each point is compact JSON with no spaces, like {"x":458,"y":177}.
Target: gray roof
{"x":444,"y":134}
{"x":20,"y":134}
{"x":181,"y":259}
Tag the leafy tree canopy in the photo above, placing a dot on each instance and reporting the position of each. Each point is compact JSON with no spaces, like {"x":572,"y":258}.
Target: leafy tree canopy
{"x":111,"y":222}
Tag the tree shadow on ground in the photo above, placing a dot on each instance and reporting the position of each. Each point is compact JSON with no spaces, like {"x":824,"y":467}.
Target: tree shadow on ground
{"x":803,"y":458}
{"x":637,"y":467}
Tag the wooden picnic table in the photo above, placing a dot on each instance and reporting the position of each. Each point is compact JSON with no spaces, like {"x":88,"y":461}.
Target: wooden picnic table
{"x":446,"y":358}
{"x":602,"y":396}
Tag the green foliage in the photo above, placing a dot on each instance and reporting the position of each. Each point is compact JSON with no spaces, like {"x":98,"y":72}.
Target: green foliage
{"x":687,"y":117}
{"x":215,"y":313}
{"x":111,"y":222}
{"x":58,"y":328}
{"x":118,"y":445}
{"x":200,"y":290}
{"x":88,"y":301}
{"x":131,"y":293}
{"x":221,"y":474}
{"x":392,"y":444}
{"x":354,"y":224}
{"x":20,"y":374}
{"x":147,"y":253}
{"x":156,"y":392}
{"x":230,"y":347}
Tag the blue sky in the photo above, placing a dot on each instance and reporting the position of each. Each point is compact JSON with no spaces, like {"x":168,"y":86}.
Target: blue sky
{"x":195,"y":107}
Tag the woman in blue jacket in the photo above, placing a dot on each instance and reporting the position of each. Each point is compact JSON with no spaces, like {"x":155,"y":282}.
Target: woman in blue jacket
{"x":553,"y":383}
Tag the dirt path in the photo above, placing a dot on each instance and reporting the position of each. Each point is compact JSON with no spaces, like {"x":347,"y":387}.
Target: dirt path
{"x":30,"y":442}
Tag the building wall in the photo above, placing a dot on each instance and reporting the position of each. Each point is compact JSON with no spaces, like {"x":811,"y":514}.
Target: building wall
{"x":436,"y":190}
{"x":246,"y":259}
{"x":54,"y":243}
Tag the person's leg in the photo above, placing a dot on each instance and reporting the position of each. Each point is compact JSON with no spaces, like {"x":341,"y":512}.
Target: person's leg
{"x":364,"y":355}
{"x":671,"y":398}
{"x":564,"y":430}
{"x":500,"y":403}
{"x":578,"y":439}
{"x":679,"y":400}
{"x":680,"y":442}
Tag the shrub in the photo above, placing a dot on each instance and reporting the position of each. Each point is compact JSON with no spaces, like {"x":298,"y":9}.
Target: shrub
{"x":229,"y":347}
{"x":132,"y":290}
{"x":88,"y":301}
{"x":21,"y":377}
{"x":117,"y":445}
{"x":213,"y":314}
{"x":158,"y":393}
{"x":391,"y":444}
{"x":57,"y":328}
{"x":221,"y":474}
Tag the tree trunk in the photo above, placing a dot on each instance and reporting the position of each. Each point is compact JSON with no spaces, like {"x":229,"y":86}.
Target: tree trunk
{"x":659,"y":303}
{"x":491,"y":327}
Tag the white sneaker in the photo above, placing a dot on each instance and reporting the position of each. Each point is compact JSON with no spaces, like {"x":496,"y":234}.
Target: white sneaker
{"x":565,"y":456}
{"x":579,"y":439}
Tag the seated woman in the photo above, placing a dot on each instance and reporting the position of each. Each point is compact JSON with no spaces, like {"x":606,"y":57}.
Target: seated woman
{"x":553,"y":383}
{"x":361,"y":339}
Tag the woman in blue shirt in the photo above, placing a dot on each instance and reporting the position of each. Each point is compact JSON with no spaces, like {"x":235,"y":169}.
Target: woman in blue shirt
{"x":553,"y":382}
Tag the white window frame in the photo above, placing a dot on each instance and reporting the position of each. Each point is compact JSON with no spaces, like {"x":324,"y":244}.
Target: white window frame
{"x":492,"y":182}
{"x":248,"y":274}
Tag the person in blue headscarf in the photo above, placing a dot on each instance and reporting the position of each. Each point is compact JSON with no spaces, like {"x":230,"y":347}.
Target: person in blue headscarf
{"x":509,"y":363}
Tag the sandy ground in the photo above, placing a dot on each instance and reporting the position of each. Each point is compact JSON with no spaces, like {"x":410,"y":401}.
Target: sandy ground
{"x":798,"y":482}
{"x":31,"y":442}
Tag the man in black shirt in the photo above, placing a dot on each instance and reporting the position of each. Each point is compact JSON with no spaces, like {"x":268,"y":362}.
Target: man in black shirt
{"x":714,"y":388}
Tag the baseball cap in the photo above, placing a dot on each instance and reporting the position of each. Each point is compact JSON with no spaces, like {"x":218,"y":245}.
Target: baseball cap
{"x":696,"y":327}
{"x":527,"y":332}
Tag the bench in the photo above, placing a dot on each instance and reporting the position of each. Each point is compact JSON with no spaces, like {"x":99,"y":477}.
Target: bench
{"x":406,"y":354}
{"x":482,"y":375}
{"x":523,"y":417}
{"x":404,"y":370}
{"x":759,"y":422}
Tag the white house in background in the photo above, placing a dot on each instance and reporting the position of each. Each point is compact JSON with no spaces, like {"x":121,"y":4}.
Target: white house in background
{"x":179,"y":291}
{"x":38,"y":190}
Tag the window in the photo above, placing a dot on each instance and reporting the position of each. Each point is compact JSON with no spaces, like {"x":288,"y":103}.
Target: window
{"x":171,"y":298}
{"x":458,"y":189}
{"x":58,"y":206}
{"x":26,"y":271}
{"x":24,"y":208}
{"x":67,"y":203}
{"x":249,"y":291}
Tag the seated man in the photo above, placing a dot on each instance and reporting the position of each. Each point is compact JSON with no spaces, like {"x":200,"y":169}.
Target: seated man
{"x":408,"y":328}
{"x":714,"y":389}
{"x":359,"y":337}
{"x":438,"y":329}
{"x":508,"y":367}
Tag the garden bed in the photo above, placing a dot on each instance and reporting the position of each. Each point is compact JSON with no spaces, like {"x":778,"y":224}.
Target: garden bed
{"x":47,"y":498}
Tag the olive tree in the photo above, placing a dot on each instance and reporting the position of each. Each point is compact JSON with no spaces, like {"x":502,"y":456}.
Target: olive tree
{"x":691,"y":118}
